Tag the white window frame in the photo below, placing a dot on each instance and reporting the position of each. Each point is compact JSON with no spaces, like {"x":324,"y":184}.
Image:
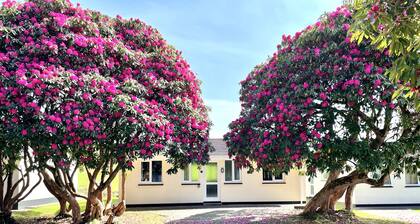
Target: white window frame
{"x":273,"y":178}
{"x":189,"y":176}
{"x":233,"y":173}
{"x":150,"y":172}
{"x":405,"y":181}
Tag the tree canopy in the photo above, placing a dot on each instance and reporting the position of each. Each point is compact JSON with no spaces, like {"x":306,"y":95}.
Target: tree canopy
{"x":321,"y":102}
{"x":85,"y":89}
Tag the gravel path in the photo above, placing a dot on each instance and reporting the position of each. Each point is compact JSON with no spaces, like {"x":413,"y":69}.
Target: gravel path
{"x":210,"y":215}
{"x":227,"y":214}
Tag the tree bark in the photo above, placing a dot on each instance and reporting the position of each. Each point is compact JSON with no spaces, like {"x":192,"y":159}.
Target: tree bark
{"x":67,"y":196}
{"x":6,"y":217}
{"x":329,"y":201}
{"x":94,"y":207}
{"x":63,"y":209}
{"x":108,"y":202}
{"x":335,"y":197}
{"x":317,"y":203}
{"x":348,"y":197}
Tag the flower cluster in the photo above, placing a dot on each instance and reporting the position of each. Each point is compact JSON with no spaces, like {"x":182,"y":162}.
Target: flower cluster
{"x":79,"y":85}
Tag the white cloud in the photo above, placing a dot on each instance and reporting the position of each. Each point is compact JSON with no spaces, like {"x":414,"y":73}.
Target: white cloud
{"x":221,"y":114}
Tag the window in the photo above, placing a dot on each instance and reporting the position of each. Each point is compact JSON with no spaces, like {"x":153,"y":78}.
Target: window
{"x":412,"y":179}
{"x":269,"y":176}
{"x":151,"y":171}
{"x":191,"y":173}
{"x":232,"y":173}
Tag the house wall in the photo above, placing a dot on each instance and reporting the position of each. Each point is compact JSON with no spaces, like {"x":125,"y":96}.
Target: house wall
{"x":252,"y":188}
{"x":170,"y":192}
{"x":396,"y":193}
{"x":364,"y":194}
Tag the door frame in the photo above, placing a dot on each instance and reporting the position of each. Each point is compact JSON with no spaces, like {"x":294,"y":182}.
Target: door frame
{"x":205,"y":183}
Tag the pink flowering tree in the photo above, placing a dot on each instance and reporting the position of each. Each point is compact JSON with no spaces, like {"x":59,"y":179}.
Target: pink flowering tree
{"x":102,"y":92}
{"x":321,"y":103}
{"x":16,"y":162}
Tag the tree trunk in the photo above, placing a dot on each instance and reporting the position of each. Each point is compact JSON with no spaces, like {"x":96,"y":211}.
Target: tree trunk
{"x":335,"y":197}
{"x":97,"y":208}
{"x":94,"y":207}
{"x":317,"y":203}
{"x":108,"y":202}
{"x":63,"y":209}
{"x":6,"y":217}
{"x":118,"y":210}
{"x":67,"y":196}
{"x":349,"y":195}
{"x":329,"y":202}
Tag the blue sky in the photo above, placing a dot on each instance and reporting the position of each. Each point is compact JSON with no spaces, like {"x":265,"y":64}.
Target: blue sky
{"x":221,"y":39}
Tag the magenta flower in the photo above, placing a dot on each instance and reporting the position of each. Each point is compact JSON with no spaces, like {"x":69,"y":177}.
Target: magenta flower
{"x":317,"y":51}
{"x":368,"y":68}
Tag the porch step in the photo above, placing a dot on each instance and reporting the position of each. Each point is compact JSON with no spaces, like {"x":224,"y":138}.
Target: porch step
{"x":212,"y":203}
{"x":299,"y":206}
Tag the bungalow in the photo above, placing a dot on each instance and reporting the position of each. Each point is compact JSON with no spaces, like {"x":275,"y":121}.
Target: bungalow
{"x":221,"y":182}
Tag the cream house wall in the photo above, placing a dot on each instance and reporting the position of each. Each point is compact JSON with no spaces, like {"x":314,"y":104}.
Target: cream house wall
{"x":396,"y":193}
{"x":251,"y":188}
{"x":171,"y":191}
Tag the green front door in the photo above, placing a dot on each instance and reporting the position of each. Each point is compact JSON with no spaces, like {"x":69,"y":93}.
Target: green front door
{"x":211,"y":191}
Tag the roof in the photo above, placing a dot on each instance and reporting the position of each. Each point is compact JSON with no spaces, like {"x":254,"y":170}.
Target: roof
{"x":220,"y":147}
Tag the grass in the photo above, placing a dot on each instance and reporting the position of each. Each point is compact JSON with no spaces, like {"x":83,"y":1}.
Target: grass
{"x":370,"y":218}
{"x":83,"y":182}
{"x":366,"y":216}
{"x":51,"y":210}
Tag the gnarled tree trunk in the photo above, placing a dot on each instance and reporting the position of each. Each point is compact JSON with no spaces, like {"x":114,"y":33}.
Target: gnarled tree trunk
{"x":94,"y":206}
{"x":64,"y":194}
{"x":348,"y":197}
{"x":61,"y":200}
{"x":15,"y":182}
{"x":317,"y":203}
{"x":329,"y":193}
{"x":121,"y":207}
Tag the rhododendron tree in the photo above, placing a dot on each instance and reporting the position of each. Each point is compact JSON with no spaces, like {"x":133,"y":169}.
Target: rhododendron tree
{"x":321,"y":103}
{"x":101,"y":92}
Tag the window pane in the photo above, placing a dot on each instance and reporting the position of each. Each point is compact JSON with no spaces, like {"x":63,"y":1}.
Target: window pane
{"x":278,"y":176}
{"x":411,"y":178}
{"x":228,"y":170}
{"x":186,"y":173}
{"x":145,"y":172}
{"x":156,"y":171}
{"x":237,"y":174}
{"x":267,"y":175}
{"x":211,"y":172}
{"x":195,"y":172}
{"x":211,"y":190}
